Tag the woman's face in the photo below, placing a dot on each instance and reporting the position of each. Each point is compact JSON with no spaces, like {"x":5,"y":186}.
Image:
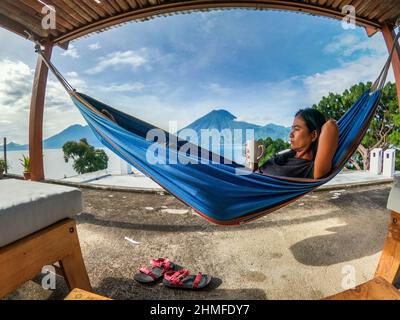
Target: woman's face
{"x":301,"y":138}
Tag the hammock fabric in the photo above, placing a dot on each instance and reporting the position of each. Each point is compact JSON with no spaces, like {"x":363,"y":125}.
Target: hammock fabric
{"x":223,"y":193}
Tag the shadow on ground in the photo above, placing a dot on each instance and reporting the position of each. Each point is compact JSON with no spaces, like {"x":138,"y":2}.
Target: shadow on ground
{"x":122,"y":288}
{"x":362,"y":234}
{"x":128,"y":289}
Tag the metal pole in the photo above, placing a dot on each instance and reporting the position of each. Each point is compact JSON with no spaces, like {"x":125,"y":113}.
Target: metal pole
{"x":5,"y":152}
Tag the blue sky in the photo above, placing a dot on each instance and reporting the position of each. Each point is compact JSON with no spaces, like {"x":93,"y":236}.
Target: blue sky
{"x":261,"y":66}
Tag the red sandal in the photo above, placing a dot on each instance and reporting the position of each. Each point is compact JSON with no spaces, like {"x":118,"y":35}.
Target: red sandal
{"x":182,"y":279}
{"x":159,"y":268}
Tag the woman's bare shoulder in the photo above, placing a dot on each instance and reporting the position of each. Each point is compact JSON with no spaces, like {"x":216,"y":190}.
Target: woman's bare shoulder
{"x":331,"y":124}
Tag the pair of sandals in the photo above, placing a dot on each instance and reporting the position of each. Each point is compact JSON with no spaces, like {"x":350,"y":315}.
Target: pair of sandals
{"x":173,"y":275}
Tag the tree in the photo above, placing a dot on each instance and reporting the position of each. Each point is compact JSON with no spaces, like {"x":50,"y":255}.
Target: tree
{"x":272,"y":147}
{"x":86,"y":158}
{"x":383,"y":131}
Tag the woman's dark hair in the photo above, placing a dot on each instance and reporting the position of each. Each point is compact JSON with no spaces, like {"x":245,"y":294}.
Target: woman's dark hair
{"x":314,"y":120}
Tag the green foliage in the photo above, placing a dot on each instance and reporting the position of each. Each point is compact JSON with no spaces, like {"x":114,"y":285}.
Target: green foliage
{"x":3,"y":165}
{"x":86,"y":158}
{"x":334,"y":106}
{"x":384,"y":130}
{"x":26,"y":163}
{"x":272,"y":147}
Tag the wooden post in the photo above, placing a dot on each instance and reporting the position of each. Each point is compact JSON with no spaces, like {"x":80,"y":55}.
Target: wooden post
{"x":389,"y":36}
{"x":5,"y":153}
{"x":36,"y":116}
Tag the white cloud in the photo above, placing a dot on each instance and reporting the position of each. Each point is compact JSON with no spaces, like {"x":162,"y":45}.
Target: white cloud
{"x":15,"y":80}
{"x":364,"y":69}
{"x":125,"y":87}
{"x":351,"y":71}
{"x":15,"y":94}
{"x":72,"y":74}
{"x":94,"y":46}
{"x":348,"y":43}
{"x":76,"y":81}
{"x":71,"y":52}
{"x":278,"y":101}
{"x":119,"y":59}
{"x":218,"y":89}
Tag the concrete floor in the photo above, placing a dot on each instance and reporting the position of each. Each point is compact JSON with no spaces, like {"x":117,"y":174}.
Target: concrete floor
{"x":140,"y":182}
{"x":302,"y":251}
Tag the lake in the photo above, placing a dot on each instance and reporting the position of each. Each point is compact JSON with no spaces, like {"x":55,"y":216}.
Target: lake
{"x":56,"y":168}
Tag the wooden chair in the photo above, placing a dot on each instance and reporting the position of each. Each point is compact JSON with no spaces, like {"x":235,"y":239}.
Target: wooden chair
{"x":381,"y":286}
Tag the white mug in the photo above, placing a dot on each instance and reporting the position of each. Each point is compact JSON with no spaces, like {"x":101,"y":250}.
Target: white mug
{"x":254,"y":151}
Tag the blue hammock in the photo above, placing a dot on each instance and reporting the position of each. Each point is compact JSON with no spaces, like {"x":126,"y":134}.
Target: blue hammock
{"x":224,"y":193}
{"x":218,"y":191}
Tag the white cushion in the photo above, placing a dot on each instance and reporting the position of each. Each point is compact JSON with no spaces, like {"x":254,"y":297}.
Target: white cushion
{"x":27,"y":207}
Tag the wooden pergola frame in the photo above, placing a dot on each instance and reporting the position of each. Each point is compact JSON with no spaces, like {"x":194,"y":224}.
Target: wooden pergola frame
{"x":83,"y":17}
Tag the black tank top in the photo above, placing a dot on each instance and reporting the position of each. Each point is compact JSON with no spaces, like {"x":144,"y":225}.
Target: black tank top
{"x":287,"y":165}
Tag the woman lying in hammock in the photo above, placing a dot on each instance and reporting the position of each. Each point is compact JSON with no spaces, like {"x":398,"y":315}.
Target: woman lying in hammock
{"x":313,"y":144}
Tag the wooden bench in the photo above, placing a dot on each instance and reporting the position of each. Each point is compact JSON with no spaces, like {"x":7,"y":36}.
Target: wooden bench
{"x":37,"y":229}
{"x":23,"y":260}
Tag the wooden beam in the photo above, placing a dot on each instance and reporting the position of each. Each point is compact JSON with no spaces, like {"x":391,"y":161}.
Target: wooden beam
{"x":389,"y":36}
{"x":36,"y":116}
{"x":77,"y":18}
{"x":15,"y":27}
{"x":116,"y":18}
{"x":371,"y":31}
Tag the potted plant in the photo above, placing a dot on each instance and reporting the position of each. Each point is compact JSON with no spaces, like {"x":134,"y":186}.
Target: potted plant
{"x":3,"y":167}
{"x":26,"y":163}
